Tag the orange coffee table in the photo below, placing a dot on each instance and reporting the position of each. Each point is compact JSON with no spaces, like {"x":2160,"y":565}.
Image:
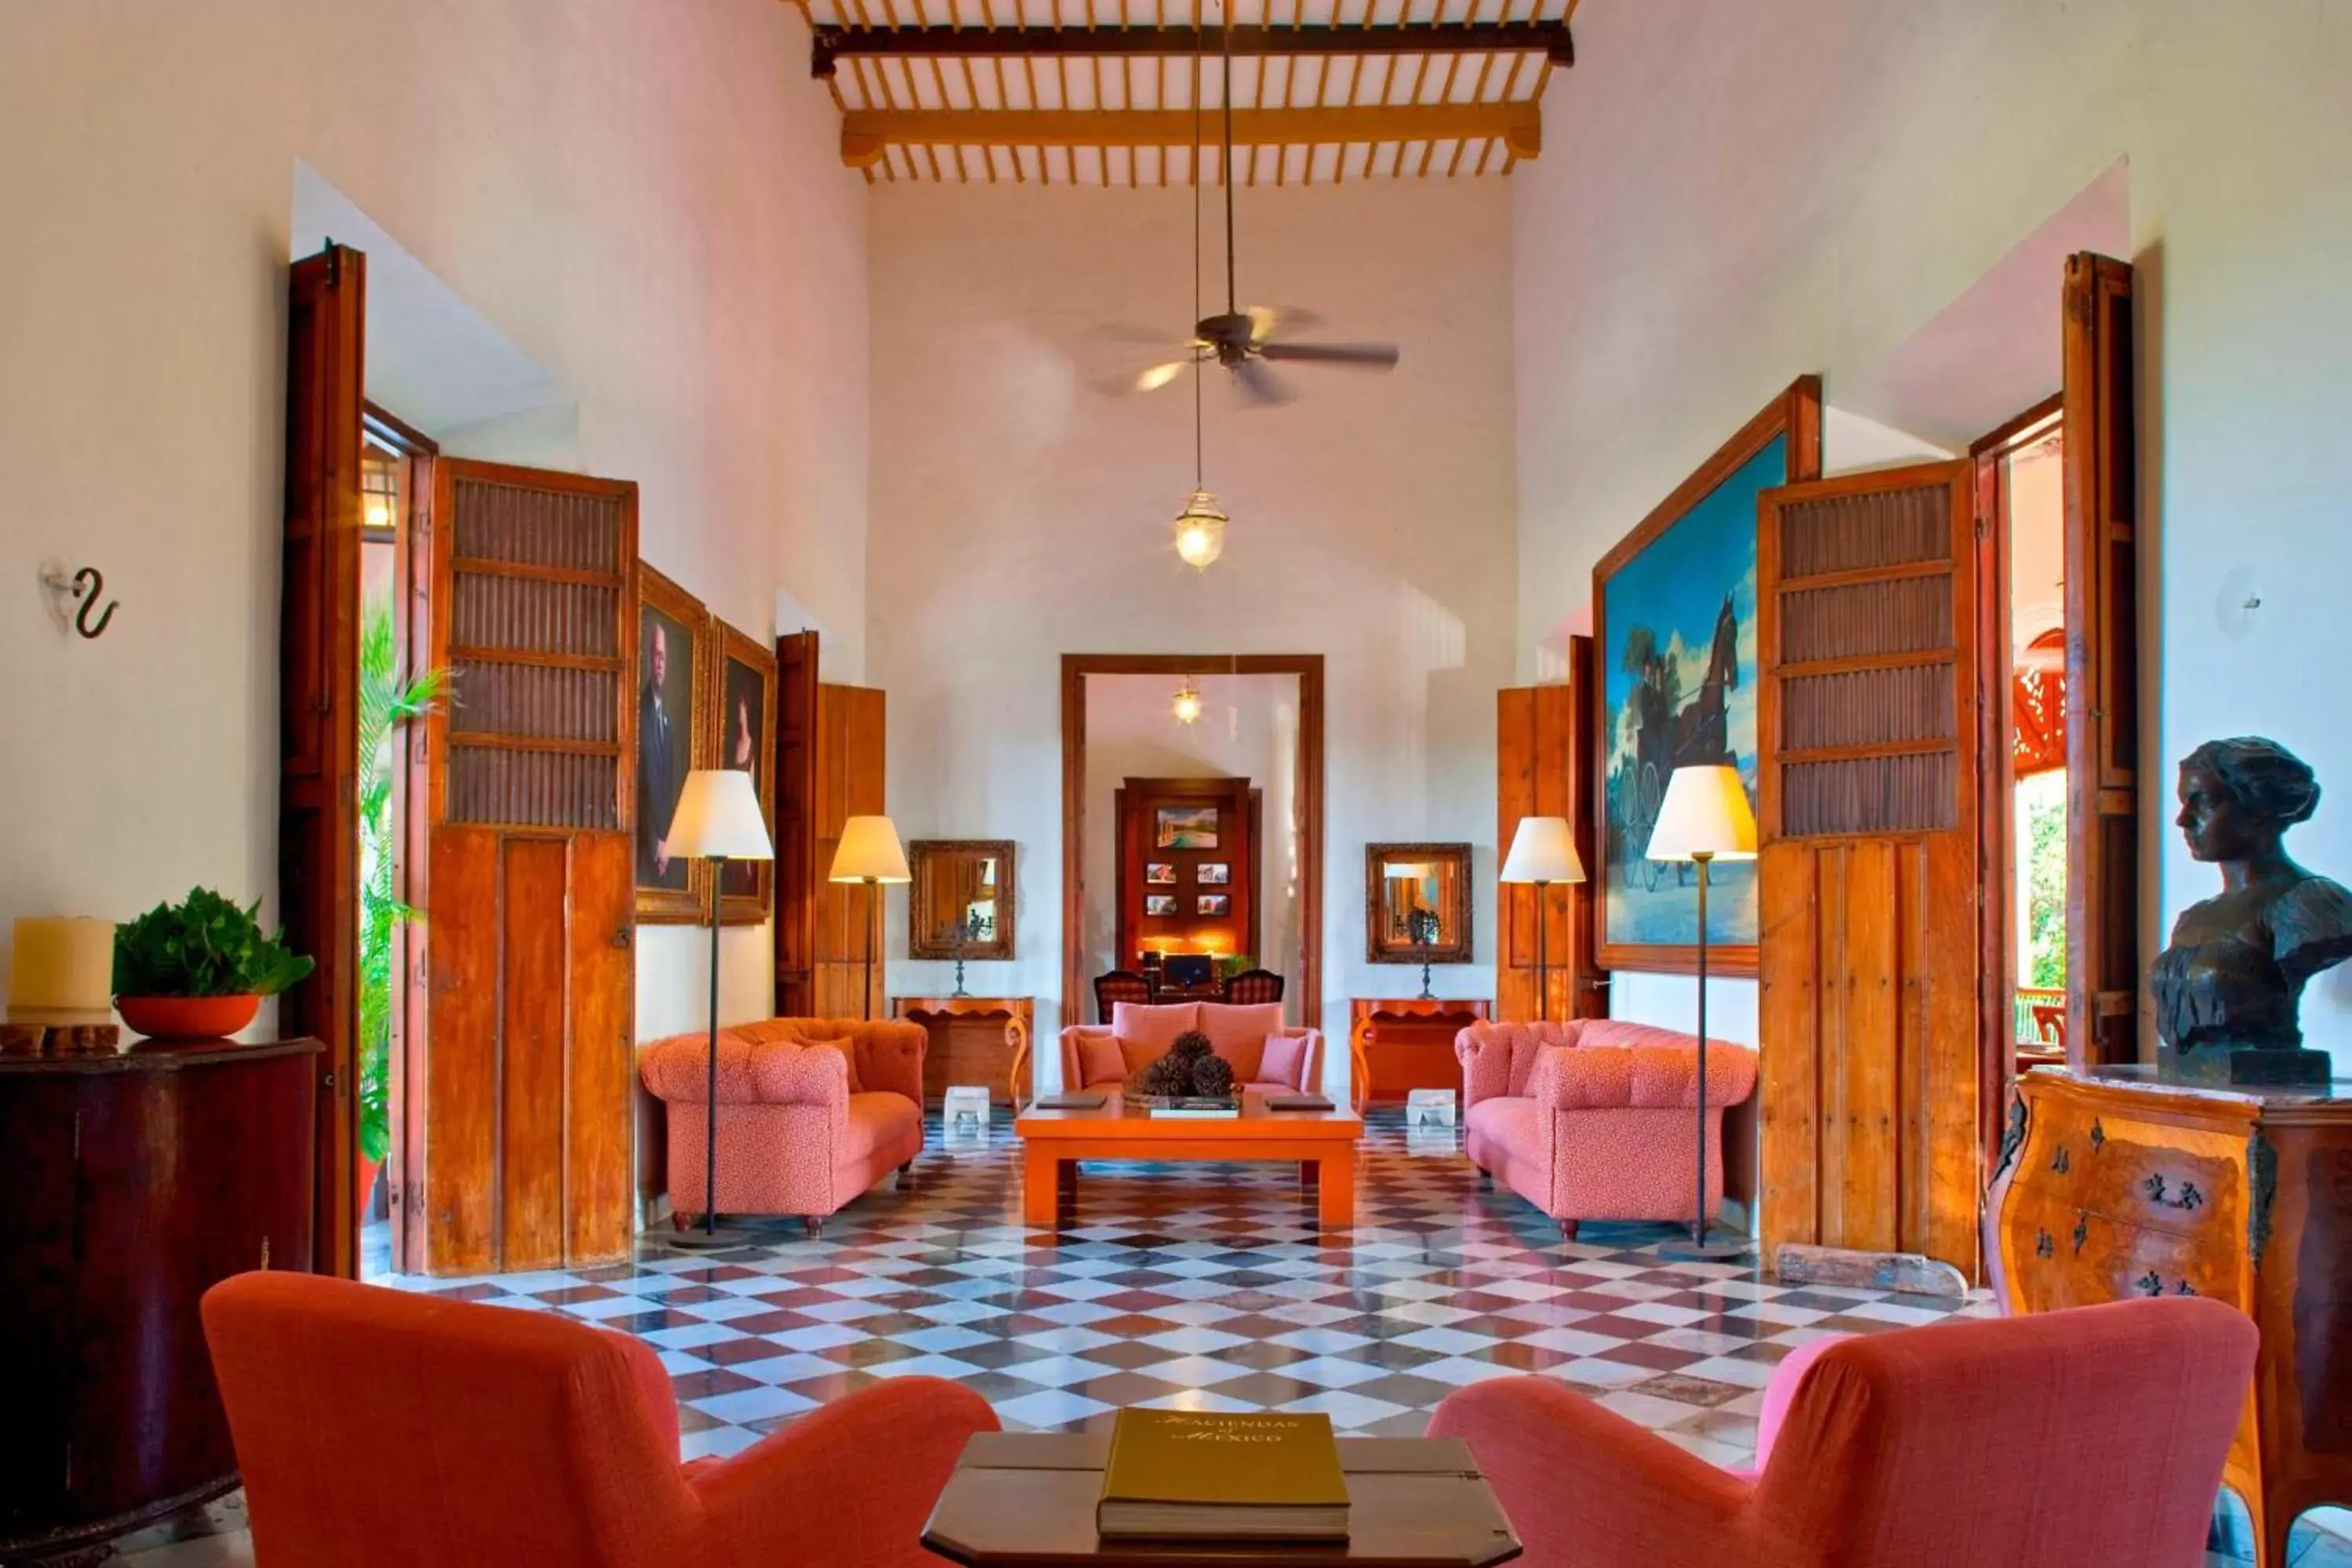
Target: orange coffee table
{"x":1322,"y":1143}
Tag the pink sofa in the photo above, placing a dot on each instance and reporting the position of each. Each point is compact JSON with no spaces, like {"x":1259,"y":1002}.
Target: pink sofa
{"x":1593,"y":1119}
{"x":811,"y":1112}
{"x":1266,"y":1052}
{"x":1953,"y":1445}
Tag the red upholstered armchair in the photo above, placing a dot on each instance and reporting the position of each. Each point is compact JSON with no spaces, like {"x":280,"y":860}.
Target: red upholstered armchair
{"x":400,"y":1431}
{"x":1955,"y":1445}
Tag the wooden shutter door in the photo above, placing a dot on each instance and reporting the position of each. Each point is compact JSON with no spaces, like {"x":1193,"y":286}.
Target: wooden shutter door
{"x":1544,"y":737}
{"x":795,"y":825}
{"x":530,"y":899}
{"x":850,"y":720}
{"x":2102,"y":667}
{"x":1869,"y":881}
{"x":318,"y":803}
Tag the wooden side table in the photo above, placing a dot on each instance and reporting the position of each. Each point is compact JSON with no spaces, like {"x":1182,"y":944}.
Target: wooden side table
{"x":1415,"y":1036}
{"x":1026,"y":1499}
{"x":963,"y":1053}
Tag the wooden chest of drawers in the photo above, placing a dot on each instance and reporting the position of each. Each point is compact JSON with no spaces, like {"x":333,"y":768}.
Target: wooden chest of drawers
{"x":2110,"y":1185}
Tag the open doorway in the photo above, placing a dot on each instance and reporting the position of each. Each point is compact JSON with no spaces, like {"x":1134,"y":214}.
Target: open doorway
{"x":395,"y":492}
{"x":2021,"y":506}
{"x":1160,"y":755}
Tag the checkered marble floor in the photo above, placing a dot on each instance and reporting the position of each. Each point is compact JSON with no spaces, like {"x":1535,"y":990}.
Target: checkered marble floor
{"x":1195,"y":1287}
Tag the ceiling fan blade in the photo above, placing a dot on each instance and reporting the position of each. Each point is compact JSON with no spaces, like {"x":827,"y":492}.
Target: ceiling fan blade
{"x":1161,"y":375}
{"x":1356,"y":356}
{"x":1261,"y":386}
{"x":1267,"y":320}
{"x":1125,"y":382}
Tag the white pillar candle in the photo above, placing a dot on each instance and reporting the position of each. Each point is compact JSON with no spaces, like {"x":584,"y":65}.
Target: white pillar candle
{"x":61,"y":971}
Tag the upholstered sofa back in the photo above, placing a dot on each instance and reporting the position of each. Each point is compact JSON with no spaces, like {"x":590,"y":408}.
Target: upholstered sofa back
{"x":790,"y":1061}
{"x":1254,"y":1038}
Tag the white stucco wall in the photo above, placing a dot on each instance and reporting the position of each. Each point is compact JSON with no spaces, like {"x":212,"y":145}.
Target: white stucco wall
{"x":1731,"y":197}
{"x":1019,"y":515}
{"x":644,"y":198}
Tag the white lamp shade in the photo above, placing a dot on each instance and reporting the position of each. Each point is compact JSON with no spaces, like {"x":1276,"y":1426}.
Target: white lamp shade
{"x":1706,"y":812}
{"x":869,"y":852}
{"x":718,"y":819}
{"x":1543,"y":850}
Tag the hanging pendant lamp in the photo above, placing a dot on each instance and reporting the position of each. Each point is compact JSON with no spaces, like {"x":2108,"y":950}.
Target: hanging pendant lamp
{"x":1200,"y":527}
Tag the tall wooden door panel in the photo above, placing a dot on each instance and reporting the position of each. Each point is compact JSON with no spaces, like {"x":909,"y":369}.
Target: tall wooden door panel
{"x":850,"y":738}
{"x":2101,"y":666}
{"x":794,"y":826}
{"x":526,"y":1135}
{"x":1543,"y":760}
{"x":318,"y":823}
{"x":1869,"y":886}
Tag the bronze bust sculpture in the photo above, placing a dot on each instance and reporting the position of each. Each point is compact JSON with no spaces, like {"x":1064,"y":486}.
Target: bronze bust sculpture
{"x":2229,"y":988}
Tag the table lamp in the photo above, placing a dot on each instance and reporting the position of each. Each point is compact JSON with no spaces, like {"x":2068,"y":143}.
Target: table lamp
{"x":1704,"y":818}
{"x":1543,"y":852}
{"x":718,"y":820}
{"x":869,"y":852}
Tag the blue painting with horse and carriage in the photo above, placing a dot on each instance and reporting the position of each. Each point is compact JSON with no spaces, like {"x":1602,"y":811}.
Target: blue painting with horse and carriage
{"x":1678,"y":681}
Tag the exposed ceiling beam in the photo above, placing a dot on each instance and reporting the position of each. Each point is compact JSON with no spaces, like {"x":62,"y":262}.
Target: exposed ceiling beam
{"x":865,"y":132}
{"x":1548,"y":39}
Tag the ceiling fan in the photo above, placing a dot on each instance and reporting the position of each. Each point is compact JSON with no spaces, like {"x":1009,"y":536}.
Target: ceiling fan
{"x":1245,"y":341}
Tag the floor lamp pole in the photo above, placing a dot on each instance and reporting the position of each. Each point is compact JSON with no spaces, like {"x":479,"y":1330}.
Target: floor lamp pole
{"x":1700,"y":1248}
{"x":1543,"y":987}
{"x":711,"y":1235}
{"x":865,"y":997}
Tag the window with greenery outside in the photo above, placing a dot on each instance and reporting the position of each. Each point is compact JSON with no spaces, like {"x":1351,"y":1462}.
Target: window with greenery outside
{"x":387,"y":702}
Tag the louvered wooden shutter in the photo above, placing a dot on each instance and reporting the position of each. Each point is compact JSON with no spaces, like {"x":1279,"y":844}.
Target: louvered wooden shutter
{"x":1869,"y":885}
{"x":2102,"y":667}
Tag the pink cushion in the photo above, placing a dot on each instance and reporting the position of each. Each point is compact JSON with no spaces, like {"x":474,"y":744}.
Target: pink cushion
{"x":1285,"y":1058}
{"x":1153,"y":1028}
{"x":1240,"y":1034}
{"x":1099,"y":1061}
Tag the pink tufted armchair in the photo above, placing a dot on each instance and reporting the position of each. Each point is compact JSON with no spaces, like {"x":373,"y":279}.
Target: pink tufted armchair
{"x":1594,"y":1119}
{"x":1945,"y":1445}
{"x":811,"y":1112}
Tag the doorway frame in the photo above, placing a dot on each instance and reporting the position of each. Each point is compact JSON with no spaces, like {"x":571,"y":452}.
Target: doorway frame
{"x":1308,"y":669}
{"x":1997,"y":966}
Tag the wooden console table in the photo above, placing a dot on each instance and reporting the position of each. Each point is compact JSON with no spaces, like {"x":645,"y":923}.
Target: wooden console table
{"x":129,"y":1185}
{"x":964,"y":1051}
{"x":1415,"y":1036}
{"x":2111,"y":1184}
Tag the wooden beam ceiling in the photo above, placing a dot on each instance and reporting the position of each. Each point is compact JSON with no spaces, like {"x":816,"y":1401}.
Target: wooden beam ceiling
{"x":865,"y":134}
{"x":831,"y":44}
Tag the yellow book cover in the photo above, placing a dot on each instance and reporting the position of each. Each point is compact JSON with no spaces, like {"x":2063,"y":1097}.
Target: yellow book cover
{"x":1208,"y":1457}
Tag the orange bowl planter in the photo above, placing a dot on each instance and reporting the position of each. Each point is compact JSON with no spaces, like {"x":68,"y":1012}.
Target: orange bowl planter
{"x":187,"y":1018}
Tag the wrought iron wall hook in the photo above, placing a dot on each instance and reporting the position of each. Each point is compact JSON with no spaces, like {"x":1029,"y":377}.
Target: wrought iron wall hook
{"x":87,"y":584}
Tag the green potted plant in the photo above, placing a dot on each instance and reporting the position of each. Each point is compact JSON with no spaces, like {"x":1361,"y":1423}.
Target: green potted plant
{"x":199,"y":968}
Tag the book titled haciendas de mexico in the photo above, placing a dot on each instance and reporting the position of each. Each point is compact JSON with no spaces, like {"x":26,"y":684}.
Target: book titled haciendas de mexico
{"x":1204,"y":1475}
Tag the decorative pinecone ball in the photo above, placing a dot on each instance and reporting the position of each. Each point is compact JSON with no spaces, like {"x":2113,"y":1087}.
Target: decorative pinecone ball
{"x":1189,"y":1068}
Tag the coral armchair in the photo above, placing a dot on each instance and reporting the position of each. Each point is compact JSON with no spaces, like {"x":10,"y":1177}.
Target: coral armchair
{"x":1960,"y":1445}
{"x":400,"y":1431}
{"x":812,"y":1111}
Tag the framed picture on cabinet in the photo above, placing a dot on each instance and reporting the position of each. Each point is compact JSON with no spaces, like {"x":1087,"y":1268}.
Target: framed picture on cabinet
{"x":674,"y":675}
{"x":1214,"y":873}
{"x":1159,"y":874}
{"x":742,"y":716}
{"x":1184,"y":828}
{"x":1160,"y":906}
{"x":1216,"y":906}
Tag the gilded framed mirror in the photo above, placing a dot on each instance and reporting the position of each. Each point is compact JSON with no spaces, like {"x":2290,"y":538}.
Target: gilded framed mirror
{"x":1417,"y":904}
{"x":962,"y":903}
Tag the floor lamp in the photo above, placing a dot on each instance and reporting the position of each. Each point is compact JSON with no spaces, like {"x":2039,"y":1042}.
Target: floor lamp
{"x":1704,"y":818}
{"x":1543,"y":852}
{"x":869,"y":853}
{"x":718,"y":819}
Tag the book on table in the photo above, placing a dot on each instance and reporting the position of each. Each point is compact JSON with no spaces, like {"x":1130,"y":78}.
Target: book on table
{"x":1208,"y":1475}
{"x":1204,"y":1107}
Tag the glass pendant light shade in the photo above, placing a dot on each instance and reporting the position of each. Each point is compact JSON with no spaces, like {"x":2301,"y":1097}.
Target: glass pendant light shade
{"x":1200,"y":531}
{"x":1186,"y":704}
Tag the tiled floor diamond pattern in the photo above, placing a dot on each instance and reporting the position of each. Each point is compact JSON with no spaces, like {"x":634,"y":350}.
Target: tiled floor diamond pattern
{"x":1199,"y":1287}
